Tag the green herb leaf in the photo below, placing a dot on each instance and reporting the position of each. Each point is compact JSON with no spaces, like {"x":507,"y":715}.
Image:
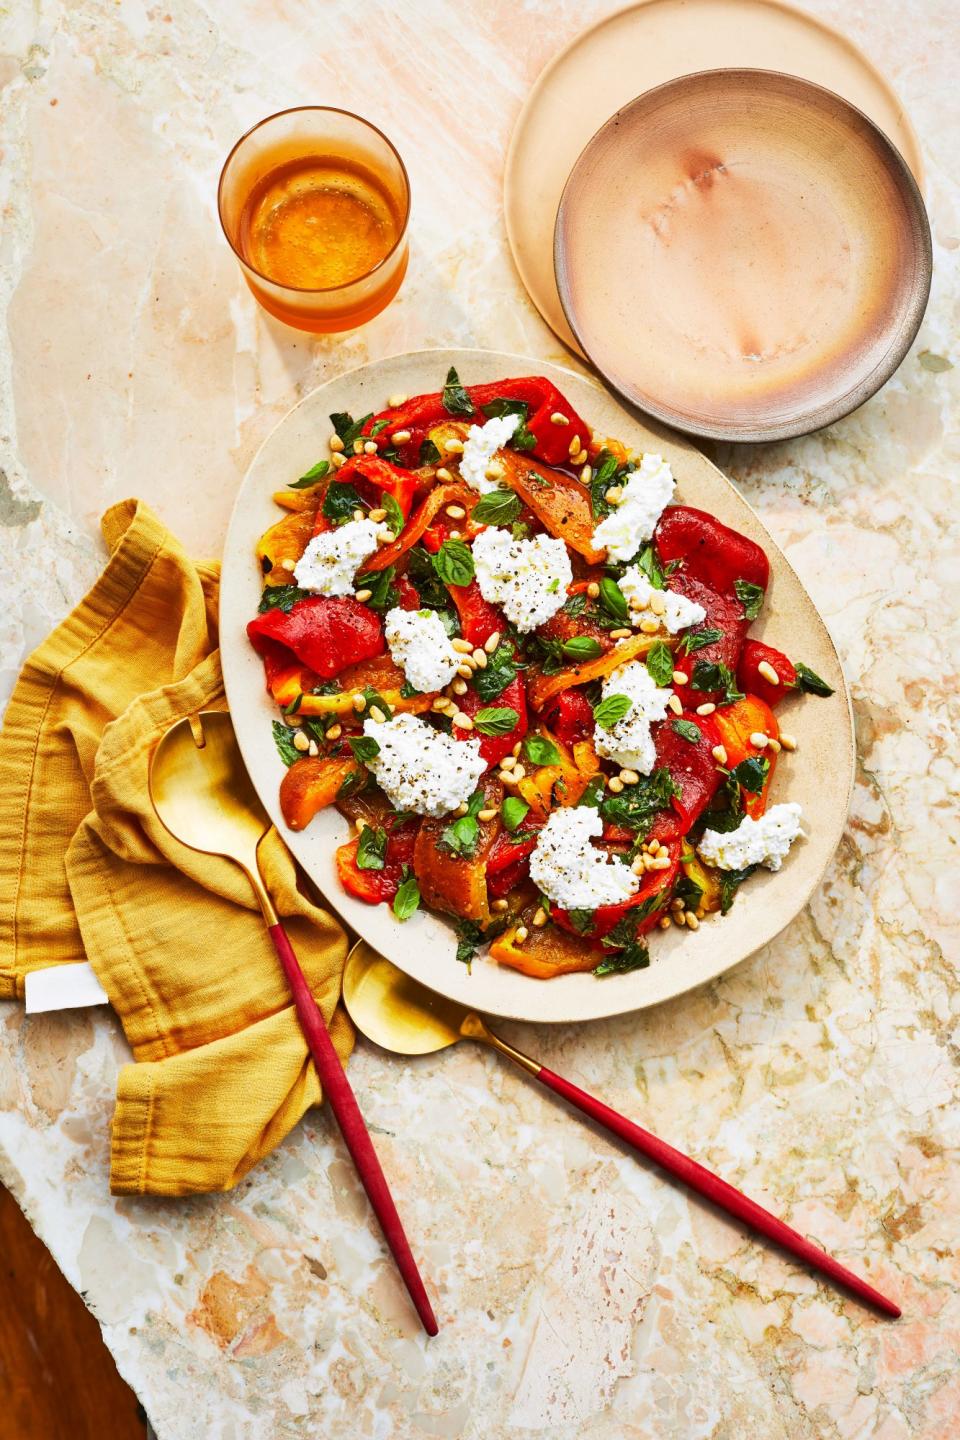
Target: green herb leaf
{"x":433,"y":593}
{"x":604,"y":475}
{"x":634,"y":957}
{"x":709,"y":676}
{"x":347,"y":428}
{"x":377,"y":427}
{"x":461,"y":837}
{"x":383,"y":595}
{"x":750,"y":597}
{"x":660,"y":663}
{"x":695,"y":640}
{"x":394,"y":518}
{"x":613,"y":600}
{"x":500,"y":672}
{"x":453,"y":563}
{"x":611,"y":709}
{"x":730,"y":882}
{"x":582,"y":647}
{"x":311,"y":476}
{"x":635,"y":807}
{"x":371,"y":849}
{"x":593,"y":792}
{"x":294,"y":705}
{"x":540,"y":751}
{"x":581,"y":920}
{"x":513,"y":812}
{"x":374,"y":698}
{"x":810,"y":681}
{"x":688,"y":890}
{"x":687,"y":730}
{"x":650,"y":566}
{"x":429,"y":454}
{"x":454,"y":398}
{"x":497,"y":507}
{"x":469,"y":939}
{"x":496,"y":720}
{"x":364,"y":748}
{"x":751,"y":774}
{"x":280,"y":597}
{"x":407,"y":898}
{"x":283,"y":737}
{"x":522,"y":438}
{"x":340,"y":502}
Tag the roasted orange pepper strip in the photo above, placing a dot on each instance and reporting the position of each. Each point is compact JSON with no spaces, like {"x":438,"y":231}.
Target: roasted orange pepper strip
{"x":541,"y":688}
{"x":736,"y":723}
{"x":414,"y":528}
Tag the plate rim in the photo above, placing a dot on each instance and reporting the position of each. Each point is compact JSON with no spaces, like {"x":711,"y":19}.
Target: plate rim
{"x":236,"y":647}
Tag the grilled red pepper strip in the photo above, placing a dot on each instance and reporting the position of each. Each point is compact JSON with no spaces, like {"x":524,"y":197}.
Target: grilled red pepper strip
{"x":691,"y":764}
{"x":607,"y":917}
{"x":373,"y":478}
{"x":543,"y":400}
{"x":724,"y":613}
{"x":494,"y":747}
{"x":709,"y":550}
{"x":377,"y":886}
{"x":751,"y":682}
{"x":571,"y":717}
{"x":478,"y":618}
{"x":325,"y":633}
{"x":509,"y":861}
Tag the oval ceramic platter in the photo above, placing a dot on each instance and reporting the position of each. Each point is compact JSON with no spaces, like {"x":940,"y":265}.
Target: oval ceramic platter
{"x":819,"y":775}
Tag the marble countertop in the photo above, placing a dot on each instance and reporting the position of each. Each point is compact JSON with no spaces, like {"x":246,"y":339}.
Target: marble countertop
{"x":580,"y":1295}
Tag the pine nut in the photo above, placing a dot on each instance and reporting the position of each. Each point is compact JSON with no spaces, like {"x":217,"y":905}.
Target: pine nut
{"x":629,"y":777}
{"x":395,"y":401}
{"x":649,"y":627}
{"x":377,"y":714}
{"x":358,"y":447}
{"x":692,"y":922}
{"x":639,"y":866}
{"x":440,"y":704}
{"x":335,"y":443}
{"x":539,"y":917}
{"x":706,"y":709}
{"x":557,"y":419}
{"x":639,"y":603}
{"x":719,"y":754}
{"x":455,"y":535}
{"x":462,"y":808}
{"x":521,"y":934}
{"x":664,"y":922}
{"x":658,"y":604}
{"x":774,"y":745}
{"x":465,"y":670}
{"x":788,"y":742}
{"x":508,"y":762}
{"x":358,"y":514}
{"x":579,"y":459}
{"x":337,"y":460}
{"x":621,"y":634}
{"x":614,"y":495}
{"x":313,"y":749}
{"x":359,"y":703}
{"x":480,"y":658}
{"x":615,"y":784}
{"x":443,"y":474}
{"x":486,"y":815}
{"x":400,"y":437}
{"x":586,"y":475}
{"x":659,"y":862}
{"x":301,"y":741}
{"x":593,"y":590}
{"x":575,"y":445}
{"x":335,"y":731}
{"x":377,"y":515}
{"x":675,"y":705}
{"x":767,"y":671}
{"x":459,"y":687}
{"x":453,"y":446}
{"x":491,"y":642}
{"x":500,"y":906}
{"x":759,"y":740}
{"x":288,"y":564}
{"x":369,"y":447}
{"x":363,"y":595}
{"x":678,"y":919}
{"x":456,"y":512}
{"x":518,"y":772}
{"x":462,"y":647}
{"x":679,"y":678}
{"x":462,"y":722}
{"x":676,"y":904}
{"x":508,"y":779}
{"x":494,"y":470}
{"x":516,"y":749}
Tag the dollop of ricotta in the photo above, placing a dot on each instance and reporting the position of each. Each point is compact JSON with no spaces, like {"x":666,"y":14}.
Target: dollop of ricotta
{"x":764,"y":841}
{"x":421,"y":647}
{"x":573,"y":873}
{"x":680,"y":612}
{"x":331,"y":560}
{"x":527,"y":578}
{"x":421,"y":769}
{"x":629,"y":742}
{"x":646,"y":493}
{"x":480,"y":446}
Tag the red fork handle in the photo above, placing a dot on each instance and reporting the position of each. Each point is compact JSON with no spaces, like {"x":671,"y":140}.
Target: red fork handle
{"x":723,"y":1195}
{"x":343,"y":1103}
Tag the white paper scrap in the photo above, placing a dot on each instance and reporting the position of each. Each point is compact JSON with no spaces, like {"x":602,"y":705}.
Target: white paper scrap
{"x":63,"y":987}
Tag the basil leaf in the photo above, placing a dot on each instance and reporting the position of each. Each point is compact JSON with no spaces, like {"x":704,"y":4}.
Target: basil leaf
{"x":429,"y":454}
{"x":613,"y":599}
{"x":750,"y":597}
{"x":687,"y":730}
{"x":730,"y":882}
{"x":371,"y":849}
{"x":377,"y":427}
{"x":810,"y":681}
{"x":394,"y":516}
{"x":469,"y":939}
{"x":347,"y":428}
{"x":383,"y":595}
{"x":283,"y":738}
{"x":581,"y":920}
{"x":497,"y":507}
{"x":634,"y":957}
{"x":695,"y":640}
{"x":650,"y":566}
{"x":373,"y":697}
{"x":611,"y":709}
{"x":311,"y":476}
{"x":280,"y":597}
{"x":582,"y":647}
{"x":453,"y":563}
{"x":751,"y":774}
{"x":499,"y":673}
{"x":496,"y":720}
{"x":461,"y":837}
{"x":407,"y":898}
{"x":454,"y":398}
{"x":635,"y":807}
{"x":340,"y":502}
{"x":364,"y":748}
{"x":709,"y":676}
{"x":513,"y":812}
{"x":660,"y":663}
{"x":541,"y":751}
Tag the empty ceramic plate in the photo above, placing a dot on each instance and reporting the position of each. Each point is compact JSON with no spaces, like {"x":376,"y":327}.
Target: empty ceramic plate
{"x":743,"y":254}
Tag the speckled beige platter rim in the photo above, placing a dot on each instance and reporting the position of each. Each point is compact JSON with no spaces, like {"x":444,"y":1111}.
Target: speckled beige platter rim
{"x":819,"y":776}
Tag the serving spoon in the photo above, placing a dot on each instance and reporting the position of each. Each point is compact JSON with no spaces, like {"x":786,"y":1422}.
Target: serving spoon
{"x":399,"y":1014}
{"x":203,"y":795}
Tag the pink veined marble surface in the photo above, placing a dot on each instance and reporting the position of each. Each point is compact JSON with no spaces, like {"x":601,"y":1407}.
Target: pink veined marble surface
{"x":580,"y":1295}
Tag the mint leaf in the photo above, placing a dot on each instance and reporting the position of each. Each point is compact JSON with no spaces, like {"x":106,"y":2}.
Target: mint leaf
{"x":750,"y":597}
{"x":497,"y":507}
{"x":364,"y":748}
{"x":540,"y":751}
{"x":610,"y":710}
{"x":810,"y":681}
{"x":407,"y":898}
{"x":513,"y":812}
{"x":280,"y":597}
{"x":581,"y":647}
{"x":454,"y":398}
{"x":496,"y":720}
{"x":311,"y":476}
{"x":340,"y":502}
{"x":347,"y":428}
{"x":283,"y":738}
{"x":695,"y":640}
{"x":394,"y":517}
{"x":687,"y":730}
{"x":660,"y":663}
{"x":453,"y":563}
{"x":371,"y":849}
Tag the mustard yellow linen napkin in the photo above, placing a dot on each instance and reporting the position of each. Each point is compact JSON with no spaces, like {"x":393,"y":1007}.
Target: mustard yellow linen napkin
{"x":222,"y":1071}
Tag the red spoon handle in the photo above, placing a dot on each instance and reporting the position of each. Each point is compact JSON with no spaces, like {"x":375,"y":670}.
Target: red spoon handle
{"x":344,"y":1105}
{"x":723,"y":1195}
